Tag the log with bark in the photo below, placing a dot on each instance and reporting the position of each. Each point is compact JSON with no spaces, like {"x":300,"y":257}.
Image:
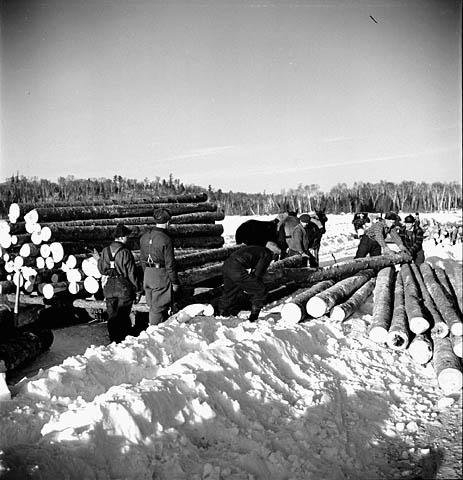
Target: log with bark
{"x":447,"y":287}
{"x":346,"y":309}
{"x":447,"y":366}
{"x":295,"y":309}
{"x":418,"y":321}
{"x":383,"y":304}
{"x":444,"y":304}
{"x":439,"y":326}
{"x":454,"y":271}
{"x":23,"y":346}
{"x":336,"y":271}
{"x":398,"y":336}
{"x":190,"y":260}
{"x":457,"y":344}
{"x":55,"y":214}
{"x":24,"y":208}
{"x":323,"y":302}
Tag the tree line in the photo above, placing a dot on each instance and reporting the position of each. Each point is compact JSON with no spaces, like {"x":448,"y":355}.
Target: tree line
{"x":362,"y":196}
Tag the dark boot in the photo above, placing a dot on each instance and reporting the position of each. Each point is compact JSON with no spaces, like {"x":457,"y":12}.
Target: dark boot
{"x":254,"y":315}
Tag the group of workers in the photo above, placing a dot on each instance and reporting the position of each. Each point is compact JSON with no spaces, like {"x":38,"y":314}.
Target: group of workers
{"x":242,"y":271}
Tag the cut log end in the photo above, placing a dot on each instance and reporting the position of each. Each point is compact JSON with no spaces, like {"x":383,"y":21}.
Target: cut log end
{"x":397,"y":340}
{"x":421,"y":351}
{"x":418,"y":325}
{"x":337,"y":314}
{"x":440,"y":329}
{"x":450,"y":380}
{"x":291,"y":312}
{"x":316,"y":307}
{"x":378,"y":335}
{"x":457,"y":346}
{"x":457,"y":329}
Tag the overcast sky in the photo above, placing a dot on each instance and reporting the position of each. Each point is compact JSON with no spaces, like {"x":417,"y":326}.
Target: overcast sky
{"x":239,"y":95}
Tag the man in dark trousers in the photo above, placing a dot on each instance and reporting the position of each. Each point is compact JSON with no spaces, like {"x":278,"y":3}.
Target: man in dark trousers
{"x":412,"y":237}
{"x":373,"y":242}
{"x":242,"y":272}
{"x":160,"y":279}
{"x":120,"y":284}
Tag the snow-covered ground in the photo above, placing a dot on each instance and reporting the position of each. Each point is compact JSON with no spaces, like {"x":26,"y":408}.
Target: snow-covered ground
{"x":227,"y":399}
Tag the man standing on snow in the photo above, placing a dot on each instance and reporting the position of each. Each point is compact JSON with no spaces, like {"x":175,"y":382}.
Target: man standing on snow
{"x":160,"y":279}
{"x":298,"y":242}
{"x":412,"y":237}
{"x":121,"y":287}
{"x":373,"y":242}
{"x":242,"y":272}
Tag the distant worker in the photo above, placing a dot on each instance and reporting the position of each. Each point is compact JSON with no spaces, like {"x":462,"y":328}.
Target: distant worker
{"x":373,"y":243}
{"x":242,"y":272}
{"x":121,"y":288}
{"x":160,"y":279}
{"x":298,"y":242}
{"x":360,"y":220}
{"x":412,"y":237}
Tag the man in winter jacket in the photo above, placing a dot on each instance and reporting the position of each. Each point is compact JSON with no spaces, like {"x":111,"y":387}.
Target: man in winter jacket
{"x":242,"y":272}
{"x":121,"y":286}
{"x":298,"y":242}
{"x":373,"y":242}
{"x":160,"y":279}
{"x":412,"y":237}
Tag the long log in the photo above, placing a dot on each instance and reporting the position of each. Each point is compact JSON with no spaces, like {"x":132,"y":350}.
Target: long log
{"x":447,"y":287}
{"x":295,"y":309}
{"x":190,"y":260}
{"x":454,"y":271}
{"x":457,"y":344}
{"x":417,"y":319}
{"x":439,"y":327}
{"x":336,"y":271}
{"x":323,"y":302}
{"x":421,"y":349}
{"x":398,"y":336}
{"x":443,"y":303}
{"x":346,"y":309}
{"x":195,"y":276}
{"x":383,"y":302}
{"x":447,"y":366}
{"x":54,"y":214}
{"x":155,"y":199}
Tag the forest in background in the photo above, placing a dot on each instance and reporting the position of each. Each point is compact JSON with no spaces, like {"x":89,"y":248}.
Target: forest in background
{"x":362,"y":196}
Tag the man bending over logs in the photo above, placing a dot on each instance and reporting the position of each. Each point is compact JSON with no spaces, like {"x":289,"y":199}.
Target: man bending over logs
{"x":242,"y":272}
{"x":373,"y":242}
{"x":160,"y":279}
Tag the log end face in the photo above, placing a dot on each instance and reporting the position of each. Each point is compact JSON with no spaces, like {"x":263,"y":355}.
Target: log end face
{"x":378,"y":335}
{"x":291,"y":313}
{"x":337,"y":314}
{"x":316,"y":307}
{"x":450,"y":380}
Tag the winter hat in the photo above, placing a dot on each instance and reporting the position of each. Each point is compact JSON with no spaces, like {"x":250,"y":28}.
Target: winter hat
{"x":391,"y":216}
{"x":161,"y":215}
{"x":409,"y":219}
{"x":273,"y":247}
{"x":305,"y":218}
{"x":121,"y":231}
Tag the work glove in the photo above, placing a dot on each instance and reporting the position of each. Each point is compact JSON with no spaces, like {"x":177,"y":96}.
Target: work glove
{"x":138,"y":297}
{"x":175,"y":288}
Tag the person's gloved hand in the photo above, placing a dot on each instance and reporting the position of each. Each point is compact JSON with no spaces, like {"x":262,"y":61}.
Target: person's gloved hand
{"x":138,"y":297}
{"x":175,"y":288}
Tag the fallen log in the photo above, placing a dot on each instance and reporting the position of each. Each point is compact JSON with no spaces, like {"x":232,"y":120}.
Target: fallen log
{"x":454,"y":271}
{"x":345,"y":310}
{"x":447,"y":366}
{"x":336,"y":271}
{"x":187,"y":218}
{"x":180,"y":198}
{"x":295,"y":309}
{"x":417,"y":321}
{"x":323,"y":302}
{"x":195,"y":276}
{"x":23,"y":347}
{"x":442,"y":302}
{"x":398,"y":336}
{"x":382,"y":305}
{"x":439,"y":327}
{"x":55,"y":214}
{"x":421,"y":349}
{"x":447,"y":287}
{"x":190,"y":260}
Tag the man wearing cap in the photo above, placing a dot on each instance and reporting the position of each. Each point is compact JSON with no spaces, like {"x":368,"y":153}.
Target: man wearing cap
{"x":160,"y":279}
{"x":298,"y":242}
{"x":373,"y":242}
{"x":412,"y":237}
{"x":120,"y":284}
{"x":242,"y":272}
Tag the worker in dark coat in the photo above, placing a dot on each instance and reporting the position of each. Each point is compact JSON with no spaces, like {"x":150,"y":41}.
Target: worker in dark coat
{"x":412,"y":237}
{"x":160,"y":279}
{"x":242,"y":272}
{"x":373,"y":242}
{"x":298,"y":241}
{"x":121,"y":287}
